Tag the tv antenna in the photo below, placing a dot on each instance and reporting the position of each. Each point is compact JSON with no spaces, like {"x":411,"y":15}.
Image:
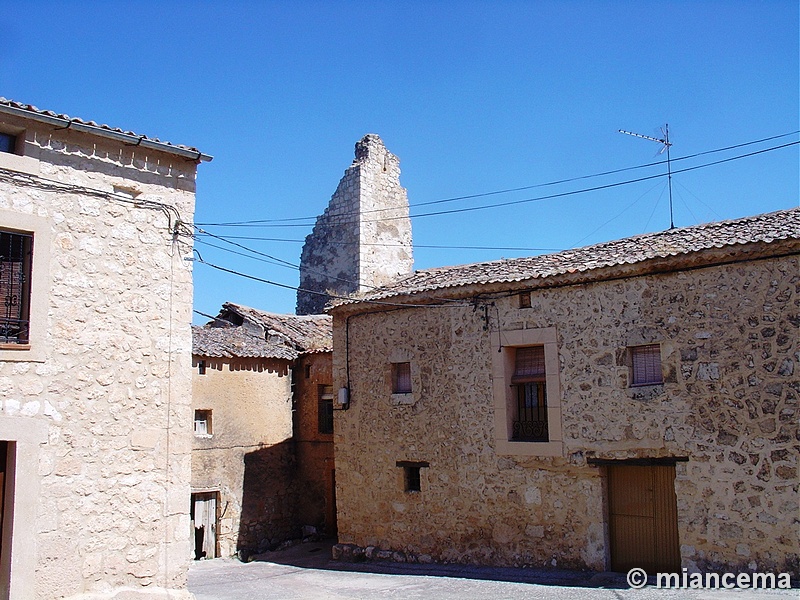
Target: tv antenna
{"x":665,"y":147}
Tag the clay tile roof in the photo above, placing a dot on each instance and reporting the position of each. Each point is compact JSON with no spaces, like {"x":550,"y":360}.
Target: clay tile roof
{"x":50,"y":115}
{"x":306,"y":333}
{"x":781,"y":225}
{"x":229,"y":342}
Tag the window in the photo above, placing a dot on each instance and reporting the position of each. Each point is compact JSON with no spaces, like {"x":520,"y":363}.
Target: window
{"x":525,"y":300}
{"x":530,"y":387}
{"x":8,"y":143}
{"x":527,"y":392}
{"x":202,"y":423}
{"x":15,"y":279}
{"x":401,"y":378}
{"x":325,"y":409}
{"x":645,"y":364}
{"x":413,"y":483}
{"x":412,"y":479}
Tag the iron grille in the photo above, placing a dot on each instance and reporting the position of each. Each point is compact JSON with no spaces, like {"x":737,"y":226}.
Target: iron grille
{"x":530,"y":420}
{"x":15,"y":269}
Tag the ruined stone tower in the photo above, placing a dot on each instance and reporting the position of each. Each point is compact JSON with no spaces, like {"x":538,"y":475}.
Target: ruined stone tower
{"x":363,"y":239}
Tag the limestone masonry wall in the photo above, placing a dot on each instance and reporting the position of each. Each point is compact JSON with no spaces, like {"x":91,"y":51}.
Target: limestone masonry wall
{"x":729,"y":404}
{"x":363,"y":239}
{"x":100,"y":499}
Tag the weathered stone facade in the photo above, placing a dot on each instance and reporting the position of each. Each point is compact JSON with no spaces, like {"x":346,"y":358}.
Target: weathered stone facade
{"x":248,"y":458}
{"x":96,"y":408}
{"x":363,"y":239}
{"x":258,"y":453}
{"x":726,"y":323}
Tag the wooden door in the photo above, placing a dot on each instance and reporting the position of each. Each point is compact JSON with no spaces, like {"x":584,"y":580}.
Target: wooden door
{"x":204,"y":525}
{"x":643,"y":518}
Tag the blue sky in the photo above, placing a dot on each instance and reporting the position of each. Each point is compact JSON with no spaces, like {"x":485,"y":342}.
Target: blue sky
{"x":474,"y":97}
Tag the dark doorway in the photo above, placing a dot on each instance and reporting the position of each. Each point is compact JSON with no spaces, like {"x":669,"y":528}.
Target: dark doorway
{"x":204,"y":525}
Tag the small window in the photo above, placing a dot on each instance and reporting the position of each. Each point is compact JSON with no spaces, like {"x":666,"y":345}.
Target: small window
{"x":401,"y":378}
{"x":412,"y":480}
{"x":325,"y":409}
{"x":307,"y":371}
{"x":8,"y":143}
{"x":201,"y":367}
{"x":530,"y":412}
{"x":525,"y":300}
{"x":15,"y":280}
{"x":202,"y":423}
{"x":646,"y":365}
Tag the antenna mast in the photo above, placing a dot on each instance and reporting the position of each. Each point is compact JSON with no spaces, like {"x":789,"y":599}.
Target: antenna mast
{"x":666,"y":144}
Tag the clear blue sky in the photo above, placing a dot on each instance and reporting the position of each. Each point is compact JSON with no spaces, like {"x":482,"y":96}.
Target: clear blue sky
{"x":472,"y":96}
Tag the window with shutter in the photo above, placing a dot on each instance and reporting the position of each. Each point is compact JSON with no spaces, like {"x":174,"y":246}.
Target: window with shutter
{"x":646,"y":365}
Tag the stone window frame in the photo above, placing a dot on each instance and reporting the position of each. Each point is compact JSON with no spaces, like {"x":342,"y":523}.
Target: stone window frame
{"x":36,"y":348}
{"x":398,"y":356}
{"x":412,"y":475}
{"x":19,"y":160}
{"x":503,"y":355}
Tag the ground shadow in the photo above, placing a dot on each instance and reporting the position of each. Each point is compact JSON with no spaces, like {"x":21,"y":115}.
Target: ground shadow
{"x":317,"y":555}
{"x":269,"y":499}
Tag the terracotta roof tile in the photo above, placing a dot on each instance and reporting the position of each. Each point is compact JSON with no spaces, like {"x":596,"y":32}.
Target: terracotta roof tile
{"x":49,"y":113}
{"x":779,"y":225}
{"x":305,"y":333}
{"x":229,"y":342}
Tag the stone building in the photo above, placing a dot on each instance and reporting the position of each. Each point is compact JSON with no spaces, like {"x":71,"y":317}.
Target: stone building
{"x":363,"y":239}
{"x":95,"y":428}
{"x":632,"y":403}
{"x":262,"y":457}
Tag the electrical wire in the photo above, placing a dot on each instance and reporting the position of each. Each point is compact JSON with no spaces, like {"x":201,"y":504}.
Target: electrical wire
{"x":288,"y":222}
{"x":432,"y":246}
{"x":452,"y":304}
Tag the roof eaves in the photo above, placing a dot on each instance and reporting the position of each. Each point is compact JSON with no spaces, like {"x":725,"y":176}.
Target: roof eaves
{"x":29,"y":111}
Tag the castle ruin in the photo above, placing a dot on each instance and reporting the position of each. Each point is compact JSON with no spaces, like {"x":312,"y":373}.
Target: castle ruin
{"x":363,"y":239}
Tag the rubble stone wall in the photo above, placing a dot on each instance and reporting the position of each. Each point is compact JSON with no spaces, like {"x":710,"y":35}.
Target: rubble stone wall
{"x":363,"y":239}
{"x":729,"y":404}
{"x":107,"y":375}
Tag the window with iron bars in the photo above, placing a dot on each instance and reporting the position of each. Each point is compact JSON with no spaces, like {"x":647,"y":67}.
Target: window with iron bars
{"x":15,"y":275}
{"x":530,"y":412}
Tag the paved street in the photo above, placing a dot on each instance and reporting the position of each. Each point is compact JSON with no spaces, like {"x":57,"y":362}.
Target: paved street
{"x":305,"y":572}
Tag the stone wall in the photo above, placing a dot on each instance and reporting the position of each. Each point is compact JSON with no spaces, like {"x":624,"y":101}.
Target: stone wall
{"x":363,"y":239}
{"x":248,"y":458}
{"x":98,"y":409}
{"x":729,"y":404}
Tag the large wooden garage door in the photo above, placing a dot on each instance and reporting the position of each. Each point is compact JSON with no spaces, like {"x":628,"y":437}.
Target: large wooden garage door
{"x":643,"y":518}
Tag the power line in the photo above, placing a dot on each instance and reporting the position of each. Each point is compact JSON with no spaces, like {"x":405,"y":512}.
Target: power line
{"x":291,"y":222}
{"x":453,"y":303}
{"x":432,"y":246}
